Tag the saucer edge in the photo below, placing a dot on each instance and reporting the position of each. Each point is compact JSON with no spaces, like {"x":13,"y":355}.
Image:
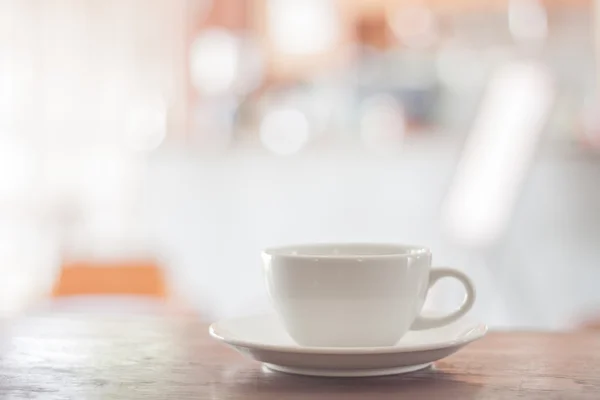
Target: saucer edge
{"x":477,"y":332}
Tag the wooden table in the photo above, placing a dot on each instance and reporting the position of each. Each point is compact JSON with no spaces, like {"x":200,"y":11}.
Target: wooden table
{"x":158,"y":357}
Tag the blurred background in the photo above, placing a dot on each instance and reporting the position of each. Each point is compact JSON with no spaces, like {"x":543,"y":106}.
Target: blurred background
{"x":149,"y":149}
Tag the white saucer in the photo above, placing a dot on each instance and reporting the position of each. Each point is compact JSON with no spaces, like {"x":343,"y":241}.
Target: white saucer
{"x":264,"y":339}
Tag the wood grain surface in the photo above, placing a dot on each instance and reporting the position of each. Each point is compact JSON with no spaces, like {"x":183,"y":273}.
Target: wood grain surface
{"x":61,"y":356}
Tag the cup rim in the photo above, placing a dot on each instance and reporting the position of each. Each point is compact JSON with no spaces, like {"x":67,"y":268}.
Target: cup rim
{"x":311,"y":250}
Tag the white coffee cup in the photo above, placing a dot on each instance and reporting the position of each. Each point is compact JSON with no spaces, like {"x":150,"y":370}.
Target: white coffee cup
{"x":355,"y":295}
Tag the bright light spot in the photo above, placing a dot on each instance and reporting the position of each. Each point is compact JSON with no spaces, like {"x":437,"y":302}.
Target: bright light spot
{"x":527,"y":20}
{"x":382,"y":123}
{"x":214,"y":58}
{"x":415,"y":25}
{"x":17,"y":292}
{"x":221,"y":63}
{"x":499,"y":150}
{"x":284,"y":131}
{"x":146,"y":126}
{"x":18,"y":166}
{"x":303,"y":27}
{"x":26,"y":275}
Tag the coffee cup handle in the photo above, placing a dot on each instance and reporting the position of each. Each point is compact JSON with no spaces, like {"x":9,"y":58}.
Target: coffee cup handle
{"x":435,"y":275}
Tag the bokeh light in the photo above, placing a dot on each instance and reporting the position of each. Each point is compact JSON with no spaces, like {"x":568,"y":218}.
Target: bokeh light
{"x":146,"y":125}
{"x":303,"y":27}
{"x":382,"y":123}
{"x":214,"y":58}
{"x":415,"y":25}
{"x":223,"y":63}
{"x":284,"y":130}
{"x":499,"y":150}
{"x":26,"y":275}
{"x":527,"y":20}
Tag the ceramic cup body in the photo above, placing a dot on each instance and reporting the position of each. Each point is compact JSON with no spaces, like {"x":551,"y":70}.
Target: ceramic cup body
{"x":351,"y":295}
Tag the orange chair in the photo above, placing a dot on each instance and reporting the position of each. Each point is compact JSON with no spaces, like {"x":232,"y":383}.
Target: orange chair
{"x":137,"y":286}
{"x":135,"y":277}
